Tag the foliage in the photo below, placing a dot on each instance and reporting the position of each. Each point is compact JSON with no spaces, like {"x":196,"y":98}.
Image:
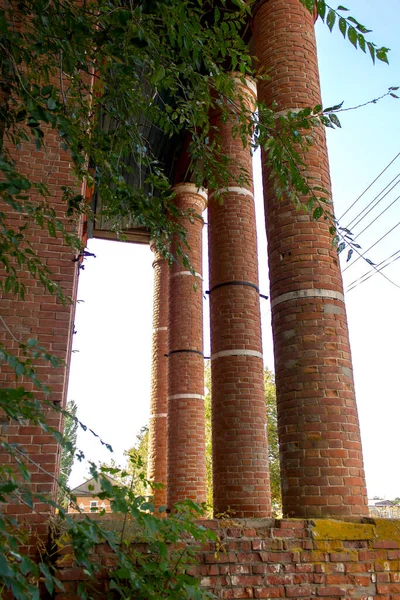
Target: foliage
{"x":158,"y":62}
{"x":134,"y":473}
{"x":152,"y":553}
{"x":273,"y":441}
{"x":208,"y":414}
{"x":164,"y":62}
{"x":68,"y":450}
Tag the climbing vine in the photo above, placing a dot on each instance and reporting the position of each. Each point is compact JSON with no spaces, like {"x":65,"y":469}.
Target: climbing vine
{"x":72,"y":67}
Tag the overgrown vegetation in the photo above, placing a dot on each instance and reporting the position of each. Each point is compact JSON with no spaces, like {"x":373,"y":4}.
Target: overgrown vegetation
{"x":70,"y":67}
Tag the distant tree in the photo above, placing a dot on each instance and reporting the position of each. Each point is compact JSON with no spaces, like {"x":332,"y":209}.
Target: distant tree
{"x":207,"y":401}
{"x":134,"y":473}
{"x":68,"y":451}
{"x":273,"y":442}
{"x":138,"y":462}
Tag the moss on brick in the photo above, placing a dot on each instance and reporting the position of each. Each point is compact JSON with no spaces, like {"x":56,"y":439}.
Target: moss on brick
{"x":329,"y":529}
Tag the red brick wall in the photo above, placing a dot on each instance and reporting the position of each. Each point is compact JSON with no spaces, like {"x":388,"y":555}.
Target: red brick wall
{"x":41,"y":316}
{"x":328,"y":560}
{"x":186,"y":466}
{"x":321,"y":455}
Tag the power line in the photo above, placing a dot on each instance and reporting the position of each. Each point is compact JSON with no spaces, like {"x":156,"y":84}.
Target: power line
{"x":374,"y":271}
{"x":370,"y":248}
{"x":374,"y":220}
{"x":372,"y":202}
{"x":371,"y":184}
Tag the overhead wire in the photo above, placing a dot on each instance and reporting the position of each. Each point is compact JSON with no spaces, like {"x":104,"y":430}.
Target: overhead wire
{"x":376,"y":218}
{"x":370,"y":248}
{"x":370,"y":185}
{"x":352,"y":225}
{"x":393,"y":258}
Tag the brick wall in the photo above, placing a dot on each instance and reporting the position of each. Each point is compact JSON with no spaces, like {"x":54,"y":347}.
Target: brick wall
{"x":41,"y":316}
{"x":323,"y":559}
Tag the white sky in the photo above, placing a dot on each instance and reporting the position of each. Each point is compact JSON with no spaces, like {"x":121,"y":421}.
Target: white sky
{"x":110,"y":370}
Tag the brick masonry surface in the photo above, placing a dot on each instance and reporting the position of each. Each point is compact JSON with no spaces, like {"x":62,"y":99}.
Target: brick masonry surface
{"x":157,"y":458}
{"x":298,"y":559}
{"x":186,"y":464}
{"x":41,"y":316}
{"x":321,"y":457}
{"x":240,"y":446}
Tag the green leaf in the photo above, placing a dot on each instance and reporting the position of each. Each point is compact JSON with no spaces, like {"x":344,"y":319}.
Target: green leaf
{"x":51,"y":229}
{"x":334,"y":119}
{"x":381,"y":54}
{"x":343,"y":26}
{"x":5,"y":570}
{"x":353,"y":37}
{"x":321,"y":6}
{"x":371,"y":49}
{"x":318,"y":212}
{"x":51,"y":103}
{"x":158,"y":74}
{"x":330,"y":21}
{"x":361,"y":42}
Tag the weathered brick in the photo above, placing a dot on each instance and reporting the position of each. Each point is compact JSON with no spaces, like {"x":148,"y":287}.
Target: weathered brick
{"x":240,"y":449}
{"x":186,"y":467}
{"x":310,"y":334}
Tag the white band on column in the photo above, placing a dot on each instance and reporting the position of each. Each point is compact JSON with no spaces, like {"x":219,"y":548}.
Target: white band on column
{"x":190,"y":188}
{"x":237,"y":353}
{"x":234,"y":189}
{"x":311,"y":293}
{"x":183,"y":396}
{"x":185,"y":273}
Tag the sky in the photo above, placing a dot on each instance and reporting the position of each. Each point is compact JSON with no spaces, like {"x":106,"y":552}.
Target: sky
{"x":110,"y":368}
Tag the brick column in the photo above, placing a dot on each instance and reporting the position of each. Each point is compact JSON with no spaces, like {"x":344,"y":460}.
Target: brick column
{"x":240,"y":447}
{"x":186,"y":467}
{"x":321,"y":455}
{"x":157,"y":466}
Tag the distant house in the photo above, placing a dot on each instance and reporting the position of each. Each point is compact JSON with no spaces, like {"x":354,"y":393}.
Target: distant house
{"x":384,"y":509}
{"x":87,"y":496}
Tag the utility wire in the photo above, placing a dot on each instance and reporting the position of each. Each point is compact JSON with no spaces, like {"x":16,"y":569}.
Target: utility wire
{"x":375,"y":220}
{"x":370,"y":248}
{"x":373,"y":272}
{"x":371,"y":184}
{"x":372,"y":202}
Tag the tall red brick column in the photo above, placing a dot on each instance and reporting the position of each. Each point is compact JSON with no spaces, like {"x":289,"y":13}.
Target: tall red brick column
{"x":157,"y":465}
{"x":186,"y":467}
{"x":321,"y":455}
{"x":240,"y":447}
